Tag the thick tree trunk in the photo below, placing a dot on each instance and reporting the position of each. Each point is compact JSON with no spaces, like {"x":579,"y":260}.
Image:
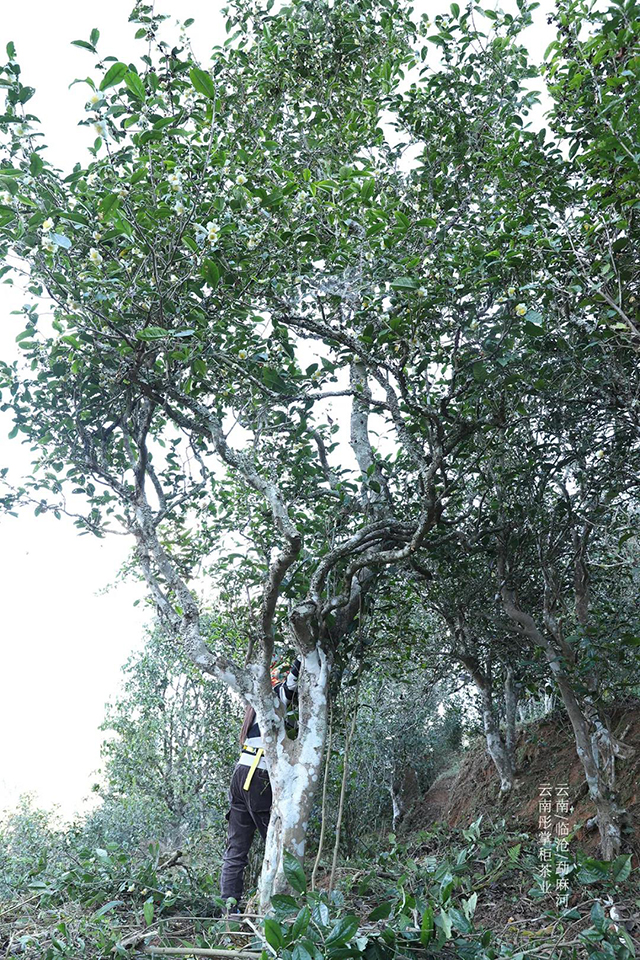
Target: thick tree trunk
{"x":497,"y":748}
{"x":404,"y":792}
{"x":510,"y":710}
{"x":293,"y":796}
{"x":295,"y":771}
{"x":396,"y":806}
{"x":495,"y":745}
{"x":605,"y":747}
{"x":608,"y":813}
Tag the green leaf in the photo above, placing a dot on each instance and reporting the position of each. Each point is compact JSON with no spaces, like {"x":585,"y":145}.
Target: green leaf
{"x":459,"y":920}
{"x":84,"y":44}
{"x":426,"y":930}
{"x":628,"y":941}
{"x":14,"y":432}
{"x":273,"y":933}
{"x":35,"y":164}
{"x":152,"y":333}
{"x":455,"y":10}
{"x":293,"y":872}
{"x":148,"y":911}
{"x":300,"y":952}
{"x":479,"y":371}
{"x":284,"y":899}
{"x":272,"y":379}
{"x":94,"y":36}
{"x":9,"y":185}
{"x":381,"y":912}
{"x":123,"y":225}
{"x":591,"y":871}
{"x":621,"y":867}
{"x":211,"y":273}
{"x":320,"y":913}
{"x":631,"y":641}
{"x":367,"y":189}
{"x":469,"y":906}
{"x":163,"y":122}
{"x":532,"y":329}
{"x":108,"y":202}
{"x":135,"y":85}
{"x":73,"y":217}
{"x":106,"y":908}
{"x":404,"y":283}
{"x":203,"y":83}
{"x":343,"y":931}
{"x":301,"y":923}
{"x":572,"y":914}
{"x":61,"y":241}
{"x":7,"y":214}
{"x":597,"y":916}
{"x":11,"y":50}
{"x":445,"y":922}
{"x":87,"y":80}
{"x":114,"y":75}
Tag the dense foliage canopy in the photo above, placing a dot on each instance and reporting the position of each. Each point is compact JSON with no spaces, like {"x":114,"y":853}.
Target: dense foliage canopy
{"x":343,"y":338}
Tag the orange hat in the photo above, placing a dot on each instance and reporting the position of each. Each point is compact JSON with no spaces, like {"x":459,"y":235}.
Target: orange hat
{"x":278,"y":671}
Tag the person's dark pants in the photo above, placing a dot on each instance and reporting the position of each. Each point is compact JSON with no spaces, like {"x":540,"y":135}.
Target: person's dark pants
{"x":248,"y":809}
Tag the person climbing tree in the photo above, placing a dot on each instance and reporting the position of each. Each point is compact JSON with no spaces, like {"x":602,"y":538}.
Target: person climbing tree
{"x":250,"y":791}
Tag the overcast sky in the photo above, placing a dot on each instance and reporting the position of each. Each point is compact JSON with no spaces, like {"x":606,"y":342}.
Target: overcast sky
{"x":63,"y":642}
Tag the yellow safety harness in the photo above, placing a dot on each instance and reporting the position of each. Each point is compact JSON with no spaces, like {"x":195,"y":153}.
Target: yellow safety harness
{"x":258,"y":751}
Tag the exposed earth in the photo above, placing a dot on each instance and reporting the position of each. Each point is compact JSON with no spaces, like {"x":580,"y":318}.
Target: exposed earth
{"x":545,"y":753}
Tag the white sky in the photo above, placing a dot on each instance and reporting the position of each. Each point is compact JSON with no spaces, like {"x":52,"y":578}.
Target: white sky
{"x":63,"y":645}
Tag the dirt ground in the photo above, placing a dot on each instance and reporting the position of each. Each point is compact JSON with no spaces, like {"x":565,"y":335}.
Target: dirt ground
{"x":545,"y":752}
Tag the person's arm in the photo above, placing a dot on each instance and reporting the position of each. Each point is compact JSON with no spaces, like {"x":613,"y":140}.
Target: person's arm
{"x":287,"y":689}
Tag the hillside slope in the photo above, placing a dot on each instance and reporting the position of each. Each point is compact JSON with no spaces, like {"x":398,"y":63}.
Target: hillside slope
{"x":545,"y":753}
